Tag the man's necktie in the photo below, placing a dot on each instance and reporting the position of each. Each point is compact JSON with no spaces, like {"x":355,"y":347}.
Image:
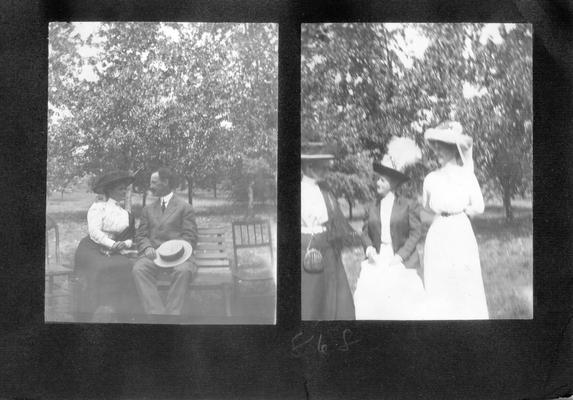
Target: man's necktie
{"x":163,"y":206}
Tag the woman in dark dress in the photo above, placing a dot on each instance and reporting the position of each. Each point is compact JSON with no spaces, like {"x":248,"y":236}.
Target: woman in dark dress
{"x":325,"y":291}
{"x":389,"y":287}
{"x":104,"y":270}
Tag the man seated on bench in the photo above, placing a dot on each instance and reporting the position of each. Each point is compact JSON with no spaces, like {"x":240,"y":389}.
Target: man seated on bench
{"x":164,"y":220}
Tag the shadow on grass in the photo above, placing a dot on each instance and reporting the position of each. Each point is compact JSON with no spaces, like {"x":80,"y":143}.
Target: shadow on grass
{"x":493,"y":224}
{"x":69,"y":216}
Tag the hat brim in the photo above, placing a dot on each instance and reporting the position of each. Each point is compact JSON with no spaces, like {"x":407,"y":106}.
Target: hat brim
{"x":99,"y":189}
{"x":317,"y":157}
{"x":393,"y":174}
{"x":187,"y":251}
{"x":447,"y":136}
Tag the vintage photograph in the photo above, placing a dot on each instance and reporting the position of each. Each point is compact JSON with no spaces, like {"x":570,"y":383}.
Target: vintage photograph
{"x":161,"y":173}
{"x":416,"y":171}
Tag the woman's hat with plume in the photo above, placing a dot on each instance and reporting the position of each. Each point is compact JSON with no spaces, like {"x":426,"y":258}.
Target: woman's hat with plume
{"x":401,"y":153}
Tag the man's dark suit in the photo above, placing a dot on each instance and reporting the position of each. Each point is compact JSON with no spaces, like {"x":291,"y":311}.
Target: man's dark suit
{"x":156,"y":227}
{"x":405,"y":229}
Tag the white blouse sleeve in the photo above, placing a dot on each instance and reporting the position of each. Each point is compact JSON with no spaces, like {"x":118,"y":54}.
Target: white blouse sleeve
{"x":95,"y":223}
{"x":476,"y":205}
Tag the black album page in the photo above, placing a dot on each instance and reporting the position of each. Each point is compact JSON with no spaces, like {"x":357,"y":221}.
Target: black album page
{"x":195,"y":199}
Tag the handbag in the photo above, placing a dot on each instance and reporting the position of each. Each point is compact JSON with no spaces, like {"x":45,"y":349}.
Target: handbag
{"x":313,"y":261}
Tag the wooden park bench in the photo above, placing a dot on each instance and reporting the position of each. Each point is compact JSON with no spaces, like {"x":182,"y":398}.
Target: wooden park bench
{"x":214,"y":267}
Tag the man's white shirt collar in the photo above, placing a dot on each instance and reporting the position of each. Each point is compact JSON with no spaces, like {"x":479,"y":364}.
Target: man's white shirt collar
{"x":165,"y":199}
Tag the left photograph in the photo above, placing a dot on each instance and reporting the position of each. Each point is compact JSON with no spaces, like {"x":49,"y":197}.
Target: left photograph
{"x":161,"y":173}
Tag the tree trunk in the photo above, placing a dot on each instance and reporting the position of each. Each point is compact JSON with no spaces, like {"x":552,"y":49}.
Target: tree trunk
{"x":189,"y":179}
{"x":507,"y":203}
{"x":127,"y":200}
{"x":251,"y":202}
{"x":215,"y":189}
{"x":144,"y":194}
{"x":129,"y":191}
{"x":349,"y":201}
{"x":62,"y":194}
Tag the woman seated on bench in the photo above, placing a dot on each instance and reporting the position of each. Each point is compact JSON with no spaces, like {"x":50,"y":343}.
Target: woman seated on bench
{"x":106,"y":272}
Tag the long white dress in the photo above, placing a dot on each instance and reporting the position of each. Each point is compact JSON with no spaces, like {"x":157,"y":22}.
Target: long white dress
{"x":385,"y":291}
{"x":452,"y":271}
{"x":388,"y":292}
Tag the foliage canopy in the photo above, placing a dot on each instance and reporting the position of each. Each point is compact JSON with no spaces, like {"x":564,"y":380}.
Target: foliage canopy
{"x":364,"y":83}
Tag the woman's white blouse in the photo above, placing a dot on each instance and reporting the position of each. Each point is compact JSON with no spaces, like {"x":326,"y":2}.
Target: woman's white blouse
{"x":386,"y":205}
{"x":312,"y":206}
{"x":453,"y":189}
{"x":105,"y":221}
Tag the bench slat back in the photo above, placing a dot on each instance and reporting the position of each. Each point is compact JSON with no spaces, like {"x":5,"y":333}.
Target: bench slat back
{"x":251,"y":234}
{"x":210,"y":250}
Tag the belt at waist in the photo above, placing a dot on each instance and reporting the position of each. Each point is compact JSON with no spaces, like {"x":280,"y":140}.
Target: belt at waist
{"x":312,"y":230}
{"x":447,"y":214}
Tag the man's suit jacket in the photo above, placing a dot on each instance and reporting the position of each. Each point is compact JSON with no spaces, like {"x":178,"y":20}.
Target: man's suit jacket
{"x":156,"y":227}
{"x":405,"y":229}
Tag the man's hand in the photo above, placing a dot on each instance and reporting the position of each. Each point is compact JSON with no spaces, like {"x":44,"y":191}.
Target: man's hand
{"x":371,"y":254}
{"x":150,"y":253}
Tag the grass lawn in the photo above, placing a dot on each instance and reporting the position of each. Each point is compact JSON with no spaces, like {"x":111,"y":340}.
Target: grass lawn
{"x":506,"y":255}
{"x":506,"y":251}
{"x":71,"y":211}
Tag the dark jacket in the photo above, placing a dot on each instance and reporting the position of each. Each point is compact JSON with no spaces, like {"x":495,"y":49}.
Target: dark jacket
{"x":405,"y":229}
{"x":156,"y":227}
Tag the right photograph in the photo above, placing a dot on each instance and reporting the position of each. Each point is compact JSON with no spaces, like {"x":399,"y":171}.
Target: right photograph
{"x":416,"y":171}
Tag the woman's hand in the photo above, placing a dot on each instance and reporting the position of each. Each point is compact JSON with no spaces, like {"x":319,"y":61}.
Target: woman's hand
{"x":117,"y":246}
{"x":371,"y":254}
{"x":427,"y":216}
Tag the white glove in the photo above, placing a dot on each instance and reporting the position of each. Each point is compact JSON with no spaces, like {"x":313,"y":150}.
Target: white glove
{"x":396,"y":260}
{"x":371,"y":254}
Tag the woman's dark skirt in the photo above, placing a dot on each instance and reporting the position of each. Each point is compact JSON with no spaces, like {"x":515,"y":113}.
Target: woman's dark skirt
{"x":325,"y":295}
{"x":104,"y":281}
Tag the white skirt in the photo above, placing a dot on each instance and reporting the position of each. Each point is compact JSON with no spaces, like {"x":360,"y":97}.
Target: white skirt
{"x":452,"y":271}
{"x":388,"y":292}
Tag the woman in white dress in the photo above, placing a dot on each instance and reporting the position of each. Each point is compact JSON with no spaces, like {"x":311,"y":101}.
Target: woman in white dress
{"x":389,"y":287}
{"x":452,"y":271}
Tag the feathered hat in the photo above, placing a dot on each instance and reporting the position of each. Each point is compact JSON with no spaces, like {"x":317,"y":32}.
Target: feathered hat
{"x":401,"y":152}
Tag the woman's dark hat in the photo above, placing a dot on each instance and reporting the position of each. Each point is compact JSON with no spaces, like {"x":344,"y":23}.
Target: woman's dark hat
{"x":317,"y":151}
{"x":401,"y":153}
{"x":112,"y":178}
{"x":386,"y":168}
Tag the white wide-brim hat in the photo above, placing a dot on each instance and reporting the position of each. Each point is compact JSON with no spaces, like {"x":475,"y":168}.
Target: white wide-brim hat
{"x":451,"y":132}
{"x":173,"y":253}
{"x":311,"y":151}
